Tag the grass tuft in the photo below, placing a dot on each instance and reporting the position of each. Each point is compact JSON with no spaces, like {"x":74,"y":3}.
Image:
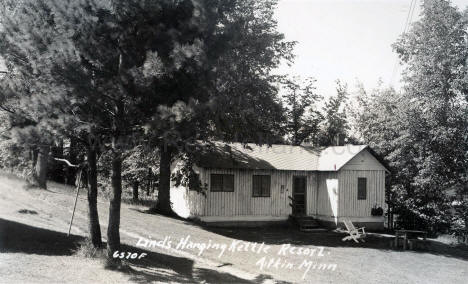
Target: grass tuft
{"x":87,"y":250}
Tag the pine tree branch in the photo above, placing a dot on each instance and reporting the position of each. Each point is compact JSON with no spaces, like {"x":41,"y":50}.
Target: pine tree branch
{"x":7,"y":109}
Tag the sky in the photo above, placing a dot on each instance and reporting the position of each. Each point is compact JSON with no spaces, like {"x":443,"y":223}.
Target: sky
{"x":348,"y":40}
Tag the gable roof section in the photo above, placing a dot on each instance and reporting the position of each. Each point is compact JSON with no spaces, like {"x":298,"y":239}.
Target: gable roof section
{"x":220,"y":155}
{"x":333,"y":158}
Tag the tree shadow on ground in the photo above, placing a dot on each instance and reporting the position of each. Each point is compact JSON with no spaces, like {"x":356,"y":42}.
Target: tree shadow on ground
{"x":173,"y":216}
{"x":18,"y":237}
{"x":286,"y":234}
{"x":154,"y":267}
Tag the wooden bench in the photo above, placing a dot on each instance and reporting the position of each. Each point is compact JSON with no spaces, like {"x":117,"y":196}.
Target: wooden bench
{"x":409,"y":238}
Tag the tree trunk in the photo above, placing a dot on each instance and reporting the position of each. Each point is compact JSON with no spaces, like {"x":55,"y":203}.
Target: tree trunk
{"x":40,"y":175}
{"x":94,"y":228}
{"x":135,"y":190}
{"x":31,"y":177}
{"x":150,"y":178}
{"x":113,"y":235}
{"x":35,"y":153}
{"x":57,"y":169}
{"x":465,"y":237}
{"x":164,"y":193}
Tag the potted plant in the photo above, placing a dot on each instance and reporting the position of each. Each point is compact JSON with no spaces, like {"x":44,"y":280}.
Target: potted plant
{"x":377,"y":210}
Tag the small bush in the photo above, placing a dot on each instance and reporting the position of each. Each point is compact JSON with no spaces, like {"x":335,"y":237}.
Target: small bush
{"x":459,"y":226}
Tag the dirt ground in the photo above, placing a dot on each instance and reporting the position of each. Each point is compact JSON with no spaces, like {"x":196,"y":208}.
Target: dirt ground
{"x":35,"y":248}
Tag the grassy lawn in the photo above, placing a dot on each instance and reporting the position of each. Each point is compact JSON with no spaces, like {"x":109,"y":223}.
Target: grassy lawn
{"x":34,"y":248}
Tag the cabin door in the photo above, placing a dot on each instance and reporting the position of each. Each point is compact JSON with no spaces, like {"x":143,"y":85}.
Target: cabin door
{"x":299,"y":196}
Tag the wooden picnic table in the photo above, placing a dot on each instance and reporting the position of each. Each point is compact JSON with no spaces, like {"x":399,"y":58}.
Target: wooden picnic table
{"x":407,"y":235}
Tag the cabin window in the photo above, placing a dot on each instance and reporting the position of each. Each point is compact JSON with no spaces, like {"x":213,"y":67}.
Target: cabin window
{"x":362,"y":189}
{"x":222,"y":183}
{"x":261,"y":185}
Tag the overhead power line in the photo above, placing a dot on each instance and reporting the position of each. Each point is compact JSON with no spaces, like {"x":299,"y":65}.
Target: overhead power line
{"x":409,"y":19}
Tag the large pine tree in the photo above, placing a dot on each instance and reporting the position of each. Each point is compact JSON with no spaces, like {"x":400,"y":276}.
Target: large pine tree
{"x":89,"y":67}
{"x":229,"y":92}
{"x":98,"y":71}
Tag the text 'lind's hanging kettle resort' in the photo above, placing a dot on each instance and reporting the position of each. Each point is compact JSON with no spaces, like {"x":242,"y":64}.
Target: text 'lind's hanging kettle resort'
{"x":234,"y":141}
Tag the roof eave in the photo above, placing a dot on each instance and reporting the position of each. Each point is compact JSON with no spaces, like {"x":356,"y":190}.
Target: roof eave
{"x":373,"y":153}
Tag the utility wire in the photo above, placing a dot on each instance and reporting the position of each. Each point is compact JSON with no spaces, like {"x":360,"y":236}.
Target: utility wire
{"x":409,"y":18}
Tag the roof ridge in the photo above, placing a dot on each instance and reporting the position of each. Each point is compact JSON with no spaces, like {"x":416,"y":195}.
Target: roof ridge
{"x":277,"y":156}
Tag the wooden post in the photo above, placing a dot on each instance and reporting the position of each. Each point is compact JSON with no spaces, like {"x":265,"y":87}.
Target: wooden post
{"x":76,"y":199}
{"x":404,"y":241}
{"x":78,"y":185}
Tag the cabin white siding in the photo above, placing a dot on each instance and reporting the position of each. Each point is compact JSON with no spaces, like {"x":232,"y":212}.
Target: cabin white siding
{"x":242,"y":203}
{"x":329,"y":195}
{"x":327,"y":201}
{"x":349,"y":204}
{"x":196,"y":203}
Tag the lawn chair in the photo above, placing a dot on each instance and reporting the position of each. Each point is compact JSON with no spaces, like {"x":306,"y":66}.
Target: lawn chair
{"x":354,"y":234}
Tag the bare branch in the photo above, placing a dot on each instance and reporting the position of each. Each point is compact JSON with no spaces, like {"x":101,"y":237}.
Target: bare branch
{"x":67,"y":162}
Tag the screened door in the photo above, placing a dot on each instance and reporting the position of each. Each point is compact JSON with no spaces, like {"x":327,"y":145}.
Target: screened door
{"x":299,"y":195}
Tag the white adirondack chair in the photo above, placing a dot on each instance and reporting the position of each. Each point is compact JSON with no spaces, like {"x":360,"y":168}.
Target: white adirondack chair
{"x":356,"y":234}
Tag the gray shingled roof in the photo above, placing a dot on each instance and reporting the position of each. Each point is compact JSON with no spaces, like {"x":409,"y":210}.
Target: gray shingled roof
{"x":279,"y":157}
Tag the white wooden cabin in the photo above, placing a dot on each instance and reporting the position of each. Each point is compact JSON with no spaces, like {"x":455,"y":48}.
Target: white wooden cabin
{"x":247,"y":184}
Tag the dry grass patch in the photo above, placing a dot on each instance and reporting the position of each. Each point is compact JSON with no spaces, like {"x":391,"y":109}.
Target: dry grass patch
{"x":87,"y":250}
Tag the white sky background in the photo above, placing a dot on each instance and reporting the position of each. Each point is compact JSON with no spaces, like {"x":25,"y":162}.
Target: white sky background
{"x":348,"y":40}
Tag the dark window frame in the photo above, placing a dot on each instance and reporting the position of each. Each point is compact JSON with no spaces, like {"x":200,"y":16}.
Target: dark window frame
{"x":262,"y":181}
{"x":362,"y":188}
{"x":225,"y":183}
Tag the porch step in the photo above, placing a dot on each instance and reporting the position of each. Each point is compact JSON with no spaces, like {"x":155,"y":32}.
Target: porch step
{"x":314,"y":230}
{"x":305,"y":218}
{"x":306,"y":223}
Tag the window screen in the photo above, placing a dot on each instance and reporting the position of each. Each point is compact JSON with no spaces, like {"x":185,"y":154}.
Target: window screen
{"x":261,"y":185}
{"x":222,"y":183}
{"x":362,"y":188}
